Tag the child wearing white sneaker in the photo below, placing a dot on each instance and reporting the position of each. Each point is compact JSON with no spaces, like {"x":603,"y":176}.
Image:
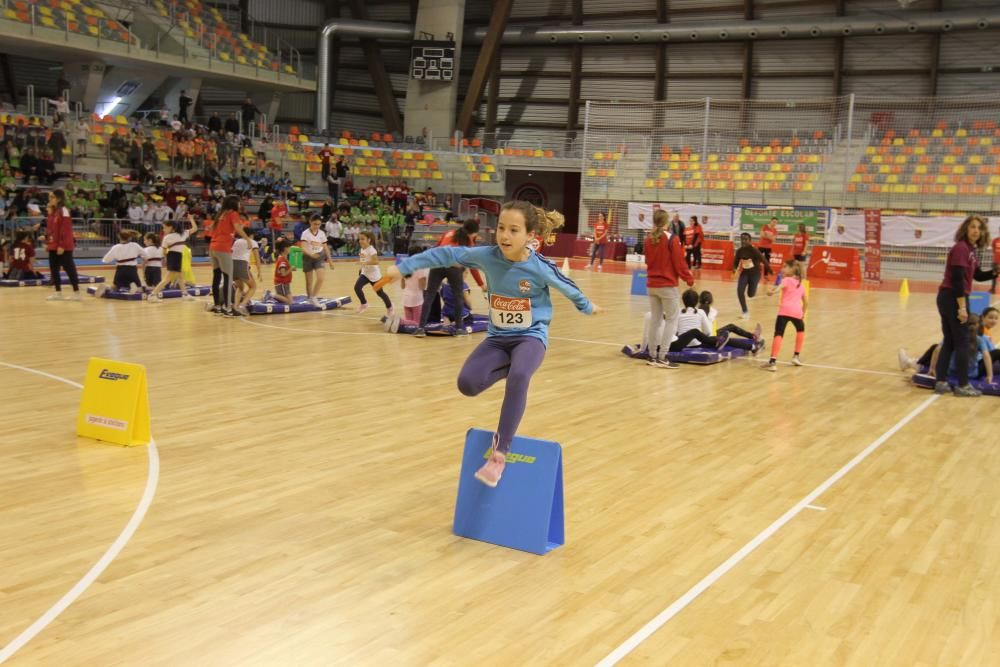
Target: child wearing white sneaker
{"x":174,"y":243}
{"x":370,"y":273}
{"x":315,"y":253}
{"x":125,"y":256}
{"x":792,"y":309}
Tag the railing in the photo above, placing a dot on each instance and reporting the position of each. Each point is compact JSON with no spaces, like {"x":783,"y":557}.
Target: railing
{"x":201,"y":48}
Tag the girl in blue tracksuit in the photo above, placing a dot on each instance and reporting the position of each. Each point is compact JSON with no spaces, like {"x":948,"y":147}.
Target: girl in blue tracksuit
{"x":518,"y":280}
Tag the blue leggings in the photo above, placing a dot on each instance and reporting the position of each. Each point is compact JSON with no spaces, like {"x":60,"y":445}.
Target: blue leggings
{"x":513,"y":357}
{"x":598,"y":251}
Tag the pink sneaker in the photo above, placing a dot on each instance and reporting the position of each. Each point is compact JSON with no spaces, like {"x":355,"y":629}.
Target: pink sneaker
{"x":491,"y":471}
{"x":362,"y":308}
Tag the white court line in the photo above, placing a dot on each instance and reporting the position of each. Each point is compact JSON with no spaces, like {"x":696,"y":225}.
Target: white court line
{"x":152,"y":478}
{"x":646,"y":631}
{"x":571,"y":340}
{"x":844,"y":369}
{"x":816,"y":507}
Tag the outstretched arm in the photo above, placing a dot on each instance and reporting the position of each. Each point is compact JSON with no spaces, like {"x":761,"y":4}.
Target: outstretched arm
{"x":556,"y":279}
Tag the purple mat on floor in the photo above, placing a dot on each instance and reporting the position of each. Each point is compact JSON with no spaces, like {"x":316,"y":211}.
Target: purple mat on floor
{"x":301,"y":305}
{"x":47,"y":280}
{"x":691,"y":355}
{"x":198,"y":290}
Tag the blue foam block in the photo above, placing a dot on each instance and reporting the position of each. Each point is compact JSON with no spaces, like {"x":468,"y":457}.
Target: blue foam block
{"x":198,"y":290}
{"x":525,"y":510}
{"x":922,"y":379}
{"x":978,"y":302}
{"x":301,"y":305}
{"x":639,"y":283}
{"x":703,"y":356}
{"x":47,"y":280}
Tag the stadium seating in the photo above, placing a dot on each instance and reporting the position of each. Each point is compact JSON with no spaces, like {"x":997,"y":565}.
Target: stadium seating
{"x":206,"y":24}
{"x":77,"y":16}
{"x":775,"y":165}
{"x":948,"y":159}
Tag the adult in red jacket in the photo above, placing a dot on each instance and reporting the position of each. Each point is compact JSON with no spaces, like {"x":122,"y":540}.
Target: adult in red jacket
{"x":665,"y":268}
{"x":60,"y":243}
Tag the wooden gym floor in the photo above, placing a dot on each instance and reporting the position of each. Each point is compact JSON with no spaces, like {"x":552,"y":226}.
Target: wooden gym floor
{"x":308,"y":473}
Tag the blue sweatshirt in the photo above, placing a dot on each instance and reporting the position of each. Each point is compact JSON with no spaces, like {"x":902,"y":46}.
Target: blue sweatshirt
{"x":518,"y":291}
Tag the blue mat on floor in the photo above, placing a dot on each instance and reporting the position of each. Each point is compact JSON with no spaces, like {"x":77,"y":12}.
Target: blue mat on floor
{"x":691,"y":355}
{"x":199,"y":290}
{"x":300,"y":305}
{"x":473,"y":324}
{"x":922,"y":379}
{"x":47,"y":280}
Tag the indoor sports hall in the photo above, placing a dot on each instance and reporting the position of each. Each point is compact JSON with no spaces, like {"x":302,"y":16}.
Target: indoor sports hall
{"x":287,"y":460}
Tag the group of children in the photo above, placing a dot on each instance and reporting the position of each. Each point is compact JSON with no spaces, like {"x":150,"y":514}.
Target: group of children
{"x":671,"y":328}
{"x":127,"y":256}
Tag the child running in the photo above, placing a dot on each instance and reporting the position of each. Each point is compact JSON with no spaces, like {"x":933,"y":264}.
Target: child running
{"x":520,"y":312}
{"x":125,"y":255}
{"x":748,"y":262}
{"x":792,"y":309}
{"x":282,"y":274}
{"x":174,"y":243}
{"x":370,"y":274}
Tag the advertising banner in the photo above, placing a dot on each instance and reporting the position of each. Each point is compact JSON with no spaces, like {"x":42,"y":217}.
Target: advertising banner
{"x":752,"y":219}
{"x":713,"y":218}
{"x":834,"y":262}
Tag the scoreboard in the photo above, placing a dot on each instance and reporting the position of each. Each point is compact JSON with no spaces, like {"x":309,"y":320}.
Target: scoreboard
{"x":432,"y":61}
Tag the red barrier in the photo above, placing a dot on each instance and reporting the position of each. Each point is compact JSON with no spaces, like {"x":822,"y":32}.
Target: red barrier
{"x":779,"y":253}
{"x":834,"y":262}
{"x":717,"y":255}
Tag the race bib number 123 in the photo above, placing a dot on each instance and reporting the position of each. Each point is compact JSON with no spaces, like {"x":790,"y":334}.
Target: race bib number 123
{"x":509,"y":312}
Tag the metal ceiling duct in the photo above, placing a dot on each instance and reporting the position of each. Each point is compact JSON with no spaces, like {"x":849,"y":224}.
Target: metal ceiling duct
{"x":732,"y":31}
{"x":347,"y":28}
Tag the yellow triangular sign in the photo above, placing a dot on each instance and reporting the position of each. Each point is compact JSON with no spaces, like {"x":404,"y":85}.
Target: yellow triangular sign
{"x":114,"y":406}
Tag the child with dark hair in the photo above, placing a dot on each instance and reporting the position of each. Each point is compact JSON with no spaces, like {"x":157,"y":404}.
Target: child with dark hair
{"x":21,"y":261}
{"x":282,"y":274}
{"x":125,"y":256}
{"x":984,"y":357}
{"x":152,"y":260}
{"x":520,"y":311}
{"x":693,"y":326}
{"x":738,"y":337}
{"x":370,"y":273}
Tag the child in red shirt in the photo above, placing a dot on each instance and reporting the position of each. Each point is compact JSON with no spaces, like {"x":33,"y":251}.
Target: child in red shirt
{"x":22,"y":254}
{"x":282,"y":275}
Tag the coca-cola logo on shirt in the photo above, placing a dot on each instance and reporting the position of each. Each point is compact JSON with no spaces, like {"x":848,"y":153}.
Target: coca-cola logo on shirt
{"x":510,"y":304}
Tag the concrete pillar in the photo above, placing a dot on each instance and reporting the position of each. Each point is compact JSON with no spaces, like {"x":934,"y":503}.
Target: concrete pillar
{"x":431,"y":105}
{"x":85,"y":81}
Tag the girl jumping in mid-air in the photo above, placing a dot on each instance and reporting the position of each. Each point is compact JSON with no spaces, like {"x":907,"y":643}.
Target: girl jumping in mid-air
{"x":520,"y":311}
{"x":792,"y":309}
{"x":748,"y":262}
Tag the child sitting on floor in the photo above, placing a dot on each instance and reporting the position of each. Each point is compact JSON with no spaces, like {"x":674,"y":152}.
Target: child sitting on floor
{"x":738,"y":337}
{"x":21,"y":260}
{"x":282,"y":274}
{"x":125,"y":255}
{"x":693,"y":327}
